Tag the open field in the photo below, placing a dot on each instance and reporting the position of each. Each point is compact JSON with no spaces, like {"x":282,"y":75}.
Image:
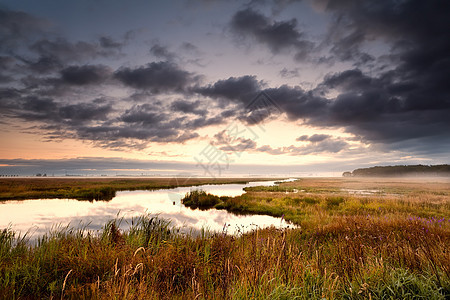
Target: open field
{"x":358,"y":239}
{"x":95,"y":188}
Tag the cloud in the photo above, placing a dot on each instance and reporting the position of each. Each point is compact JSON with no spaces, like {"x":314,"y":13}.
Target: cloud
{"x":227,"y":142}
{"x":327,"y":145}
{"x":47,"y":110}
{"x":289,"y":73}
{"x":44,"y":64}
{"x":298,"y":103}
{"x":188,"y":107}
{"x":313,"y":138}
{"x":157,"y":77}
{"x":64,"y":50}
{"x":6,"y":62}
{"x":238,"y":89}
{"x":348,"y":80}
{"x":82,"y":112}
{"x":190,"y":48}
{"x":318,"y":144}
{"x":280,"y":36}
{"x":162,"y":52}
{"x":109,"y":42}
{"x":17,"y":27}
{"x":84,"y":75}
{"x":405,"y":100}
{"x":404,"y":97}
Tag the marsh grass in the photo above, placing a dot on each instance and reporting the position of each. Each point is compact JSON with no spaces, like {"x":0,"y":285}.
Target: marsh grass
{"x":308,"y":198}
{"x":352,"y":257}
{"x":348,"y":246}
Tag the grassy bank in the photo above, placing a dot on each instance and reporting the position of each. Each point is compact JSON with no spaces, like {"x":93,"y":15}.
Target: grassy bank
{"x":95,"y":188}
{"x":326,"y":198}
{"x":350,"y":258}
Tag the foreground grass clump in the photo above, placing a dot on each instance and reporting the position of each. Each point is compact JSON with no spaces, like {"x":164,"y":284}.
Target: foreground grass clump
{"x":352,"y":257}
{"x":200,"y":199}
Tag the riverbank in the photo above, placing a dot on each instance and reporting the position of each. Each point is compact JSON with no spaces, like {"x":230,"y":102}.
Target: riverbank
{"x":97,"y":188}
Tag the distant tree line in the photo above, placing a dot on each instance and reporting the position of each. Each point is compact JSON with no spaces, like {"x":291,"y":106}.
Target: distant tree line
{"x":402,"y":170}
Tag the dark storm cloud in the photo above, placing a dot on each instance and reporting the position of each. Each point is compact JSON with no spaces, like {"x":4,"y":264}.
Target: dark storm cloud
{"x":128,"y":136}
{"x":239,"y":89}
{"x":190,"y":48}
{"x":44,"y":64}
{"x":153,"y":117}
{"x":9,"y":97}
{"x":7,"y":66}
{"x":298,"y":103}
{"x":147,"y":123}
{"x":47,"y":110}
{"x":162,"y":52}
{"x":145,"y":114}
{"x":6,"y":62}
{"x":289,"y":73}
{"x":81,"y":112}
{"x":18,"y":27}
{"x":375,"y":109}
{"x":28,"y":40}
{"x":415,"y":28}
{"x":109,"y":42}
{"x":408,"y":101}
{"x":87,"y":74}
{"x":313,"y":138}
{"x":65,"y":50}
{"x":348,"y":80}
{"x":405,"y":97}
{"x":5,"y":79}
{"x":53,"y":55}
{"x":204,"y":122}
{"x":278,"y":36}
{"x":157,"y":77}
{"x":188,"y":107}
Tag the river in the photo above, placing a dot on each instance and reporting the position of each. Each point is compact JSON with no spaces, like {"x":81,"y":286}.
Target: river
{"x":39,"y":216}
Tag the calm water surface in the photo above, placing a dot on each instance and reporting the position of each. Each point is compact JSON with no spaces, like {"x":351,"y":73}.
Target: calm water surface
{"x":40,"y":216}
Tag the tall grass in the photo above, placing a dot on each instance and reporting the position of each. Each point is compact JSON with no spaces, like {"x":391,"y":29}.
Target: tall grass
{"x":393,"y":244}
{"x":352,"y":257}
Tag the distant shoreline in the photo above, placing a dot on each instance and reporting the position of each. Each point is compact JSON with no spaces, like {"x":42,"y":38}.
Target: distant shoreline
{"x":413,"y":171}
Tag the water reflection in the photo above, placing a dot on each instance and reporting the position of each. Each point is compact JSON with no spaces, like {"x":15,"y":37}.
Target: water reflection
{"x":39,"y":216}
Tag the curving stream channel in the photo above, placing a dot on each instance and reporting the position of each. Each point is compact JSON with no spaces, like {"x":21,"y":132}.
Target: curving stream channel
{"x":42,"y":215}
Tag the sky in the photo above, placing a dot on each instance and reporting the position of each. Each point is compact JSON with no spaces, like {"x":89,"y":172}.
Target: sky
{"x":222,"y":88}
